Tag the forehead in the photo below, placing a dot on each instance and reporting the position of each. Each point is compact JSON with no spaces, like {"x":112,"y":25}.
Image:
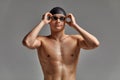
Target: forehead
{"x":59,"y":15}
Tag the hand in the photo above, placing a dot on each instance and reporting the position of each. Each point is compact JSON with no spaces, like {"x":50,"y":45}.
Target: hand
{"x":72,"y":21}
{"x":46,"y":17}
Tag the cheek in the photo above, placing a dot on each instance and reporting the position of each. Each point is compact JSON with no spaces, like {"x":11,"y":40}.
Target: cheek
{"x":52,"y":23}
{"x":63,"y":24}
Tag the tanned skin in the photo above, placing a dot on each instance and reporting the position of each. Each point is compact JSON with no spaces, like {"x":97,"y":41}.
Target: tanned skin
{"x":58,"y":52}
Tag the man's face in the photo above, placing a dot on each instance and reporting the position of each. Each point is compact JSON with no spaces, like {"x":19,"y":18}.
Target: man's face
{"x":57,"y":22}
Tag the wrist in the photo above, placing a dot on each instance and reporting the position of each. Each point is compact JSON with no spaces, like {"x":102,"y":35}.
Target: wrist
{"x":75,"y":25}
{"x":42,"y":22}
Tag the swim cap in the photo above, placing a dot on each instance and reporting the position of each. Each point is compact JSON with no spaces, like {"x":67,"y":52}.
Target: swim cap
{"x":57,"y":10}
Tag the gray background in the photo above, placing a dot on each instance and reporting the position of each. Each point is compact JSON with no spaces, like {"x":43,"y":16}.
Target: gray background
{"x":99,"y":17}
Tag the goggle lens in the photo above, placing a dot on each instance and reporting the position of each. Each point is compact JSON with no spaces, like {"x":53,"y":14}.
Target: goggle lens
{"x":60,"y":18}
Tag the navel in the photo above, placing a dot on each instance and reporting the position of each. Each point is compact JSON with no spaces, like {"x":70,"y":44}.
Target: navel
{"x":48,"y":55}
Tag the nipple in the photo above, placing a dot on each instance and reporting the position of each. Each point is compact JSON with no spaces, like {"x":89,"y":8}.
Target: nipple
{"x":72,"y":55}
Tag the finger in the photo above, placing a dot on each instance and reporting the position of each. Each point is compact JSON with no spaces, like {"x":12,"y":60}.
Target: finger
{"x":48,"y":15}
{"x":69,"y":14}
{"x":68,"y":18}
{"x":43,"y":16}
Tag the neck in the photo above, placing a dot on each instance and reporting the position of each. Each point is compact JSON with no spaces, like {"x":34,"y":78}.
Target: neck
{"x":58,"y":35}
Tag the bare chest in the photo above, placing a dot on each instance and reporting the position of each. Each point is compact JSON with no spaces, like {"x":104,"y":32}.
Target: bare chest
{"x":66,"y":51}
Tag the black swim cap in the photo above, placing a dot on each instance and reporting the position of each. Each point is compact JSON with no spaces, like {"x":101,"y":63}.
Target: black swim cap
{"x":57,"y":10}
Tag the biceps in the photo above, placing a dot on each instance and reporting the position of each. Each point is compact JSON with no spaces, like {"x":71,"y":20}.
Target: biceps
{"x":82,"y":43}
{"x":85,"y":46}
{"x":36,"y":43}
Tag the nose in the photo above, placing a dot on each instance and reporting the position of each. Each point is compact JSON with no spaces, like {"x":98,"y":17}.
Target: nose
{"x":58,"y":20}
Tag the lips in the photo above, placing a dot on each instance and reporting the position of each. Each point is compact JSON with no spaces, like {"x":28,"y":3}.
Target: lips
{"x":57,"y":25}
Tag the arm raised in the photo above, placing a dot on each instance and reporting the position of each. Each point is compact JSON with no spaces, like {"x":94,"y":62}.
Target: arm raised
{"x":86,"y":40}
{"x":32,"y":40}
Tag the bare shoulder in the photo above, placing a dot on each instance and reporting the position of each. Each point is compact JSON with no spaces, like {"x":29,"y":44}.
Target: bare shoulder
{"x":77,"y":37}
{"x":43,"y":38}
{"x":40,"y":37}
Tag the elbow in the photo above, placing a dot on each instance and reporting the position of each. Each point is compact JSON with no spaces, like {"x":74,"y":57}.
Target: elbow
{"x":27,"y":44}
{"x":96,"y":44}
{"x":24,"y":42}
{"x":92,"y":46}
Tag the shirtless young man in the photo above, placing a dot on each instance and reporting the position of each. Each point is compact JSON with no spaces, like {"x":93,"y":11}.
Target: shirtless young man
{"x":58,"y":52}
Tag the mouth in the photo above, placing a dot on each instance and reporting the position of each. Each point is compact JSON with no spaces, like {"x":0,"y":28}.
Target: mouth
{"x":58,"y":25}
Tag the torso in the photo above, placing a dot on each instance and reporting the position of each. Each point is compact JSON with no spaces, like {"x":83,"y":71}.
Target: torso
{"x":59,"y":58}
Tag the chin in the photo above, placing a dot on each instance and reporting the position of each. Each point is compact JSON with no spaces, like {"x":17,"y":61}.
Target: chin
{"x":59,"y":26}
{"x":58,"y":29}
